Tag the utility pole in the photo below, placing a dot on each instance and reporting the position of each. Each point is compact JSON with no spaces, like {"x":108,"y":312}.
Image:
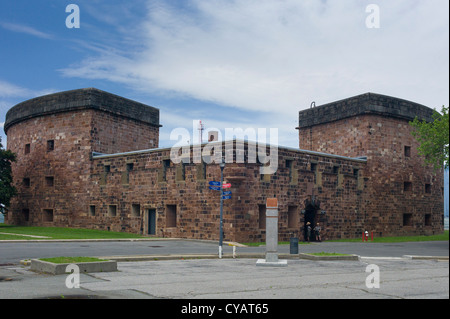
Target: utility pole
{"x":201,"y":128}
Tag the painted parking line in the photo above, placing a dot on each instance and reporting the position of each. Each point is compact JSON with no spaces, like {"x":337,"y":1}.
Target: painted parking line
{"x":32,"y":236}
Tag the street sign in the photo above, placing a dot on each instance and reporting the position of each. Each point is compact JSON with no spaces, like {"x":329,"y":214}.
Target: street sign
{"x":214,"y":188}
{"x":226,"y":193}
{"x":226,"y":185}
{"x":226,"y":197}
{"x":214,"y":183}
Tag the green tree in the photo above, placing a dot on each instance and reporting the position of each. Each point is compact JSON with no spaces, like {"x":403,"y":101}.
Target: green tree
{"x":7,"y":190}
{"x":433,"y":138}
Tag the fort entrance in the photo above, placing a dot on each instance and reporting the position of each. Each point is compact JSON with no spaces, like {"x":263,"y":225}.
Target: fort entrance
{"x":312,"y":207}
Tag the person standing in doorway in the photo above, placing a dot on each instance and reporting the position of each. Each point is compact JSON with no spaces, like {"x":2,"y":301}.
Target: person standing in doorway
{"x":317,"y":230}
{"x":308,"y":231}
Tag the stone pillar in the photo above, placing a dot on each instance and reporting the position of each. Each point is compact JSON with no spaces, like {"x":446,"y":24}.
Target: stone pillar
{"x":272,"y":230}
{"x":271,"y":236}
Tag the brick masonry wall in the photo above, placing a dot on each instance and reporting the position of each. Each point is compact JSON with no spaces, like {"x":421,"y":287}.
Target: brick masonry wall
{"x":81,"y":99}
{"x":351,"y":203}
{"x":53,"y":184}
{"x":68,"y":164}
{"x":115,"y":134}
{"x":383,"y":141}
{"x":76,"y":135}
{"x":198,"y":207}
{"x":390,"y":193}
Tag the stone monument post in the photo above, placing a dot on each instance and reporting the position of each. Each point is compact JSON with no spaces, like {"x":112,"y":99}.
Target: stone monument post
{"x":271,"y":236}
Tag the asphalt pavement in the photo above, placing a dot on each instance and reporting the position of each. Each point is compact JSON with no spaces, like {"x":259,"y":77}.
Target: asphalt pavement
{"x":13,"y":252}
{"x":196,"y":273}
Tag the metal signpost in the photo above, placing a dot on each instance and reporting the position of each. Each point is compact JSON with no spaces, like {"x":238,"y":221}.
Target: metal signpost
{"x":222,"y":166}
{"x":220,"y":186}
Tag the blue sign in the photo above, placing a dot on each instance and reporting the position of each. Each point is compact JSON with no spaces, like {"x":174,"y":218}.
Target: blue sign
{"x":226,"y":197}
{"x":214,"y":188}
{"x":214,"y":183}
{"x":226,"y":193}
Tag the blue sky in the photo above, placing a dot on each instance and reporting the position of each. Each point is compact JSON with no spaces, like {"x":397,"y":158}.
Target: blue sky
{"x":229,"y":63}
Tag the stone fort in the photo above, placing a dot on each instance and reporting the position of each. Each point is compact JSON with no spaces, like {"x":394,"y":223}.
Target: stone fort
{"x":87,"y":158}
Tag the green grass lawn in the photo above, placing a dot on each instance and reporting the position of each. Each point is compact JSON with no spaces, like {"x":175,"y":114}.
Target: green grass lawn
{"x":58,"y":233}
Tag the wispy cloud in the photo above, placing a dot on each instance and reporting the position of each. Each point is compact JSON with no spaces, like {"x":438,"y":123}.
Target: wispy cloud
{"x":273,"y":58}
{"x":280,"y":55}
{"x":11,"y":94}
{"x":20,"y":28}
{"x":9,"y":90}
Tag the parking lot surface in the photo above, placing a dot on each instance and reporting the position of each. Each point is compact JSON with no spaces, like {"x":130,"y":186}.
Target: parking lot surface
{"x":241,"y":279}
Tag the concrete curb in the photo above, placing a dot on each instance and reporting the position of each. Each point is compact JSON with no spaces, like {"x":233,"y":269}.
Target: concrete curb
{"x":25,"y":262}
{"x":176,"y":257}
{"x":136,"y":258}
{"x":192,"y":256}
{"x":60,"y":269}
{"x":426,"y":257}
{"x":329,"y":258}
{"x":351,"y":257}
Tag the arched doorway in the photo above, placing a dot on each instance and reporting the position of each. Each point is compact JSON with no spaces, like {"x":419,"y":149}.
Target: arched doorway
{"x":311,"y":216}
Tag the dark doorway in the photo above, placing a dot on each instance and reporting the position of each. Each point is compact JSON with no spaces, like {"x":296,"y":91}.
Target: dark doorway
{"x":151,"y":217}
{"x":311,"y":216}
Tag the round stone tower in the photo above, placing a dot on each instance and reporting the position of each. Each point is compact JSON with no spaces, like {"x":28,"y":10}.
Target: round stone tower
{"x":404,"y":196}
{"x":54,"y":137}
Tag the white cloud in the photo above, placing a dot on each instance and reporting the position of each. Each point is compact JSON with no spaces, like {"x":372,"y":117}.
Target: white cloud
{"x":11,"y":94}
{"x":9,"y":90}
{"x":279,"y":56}
{"x":20,"y":28}
{"x":176,"y":118}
